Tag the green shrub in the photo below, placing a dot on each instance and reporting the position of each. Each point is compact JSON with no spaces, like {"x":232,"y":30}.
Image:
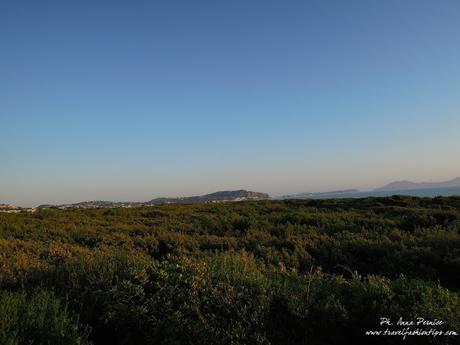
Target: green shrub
{"x":324,"y":309}
{"x":38,"y":318}
{"x":233,"y":273}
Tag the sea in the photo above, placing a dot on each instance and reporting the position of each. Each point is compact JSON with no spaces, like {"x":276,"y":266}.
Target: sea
{"x":426,"y":192}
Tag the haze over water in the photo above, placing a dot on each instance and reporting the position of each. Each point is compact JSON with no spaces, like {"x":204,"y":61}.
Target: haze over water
{"x":428,"y":192}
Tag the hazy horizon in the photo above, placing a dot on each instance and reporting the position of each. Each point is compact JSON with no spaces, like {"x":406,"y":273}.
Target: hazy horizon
{"x":153,"y":196}
{"x":131,"y":101}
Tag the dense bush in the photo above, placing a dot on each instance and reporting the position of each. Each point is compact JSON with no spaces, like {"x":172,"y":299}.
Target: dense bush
{"x":324,"y":309}
{"x":275,"y":272}
{"x":38,"y":318}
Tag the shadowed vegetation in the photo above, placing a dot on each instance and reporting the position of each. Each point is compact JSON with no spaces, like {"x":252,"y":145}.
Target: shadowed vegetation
{"x":266,"y":272}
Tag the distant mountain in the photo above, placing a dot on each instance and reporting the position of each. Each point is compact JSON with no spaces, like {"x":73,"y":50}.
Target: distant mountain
{"x":408,"y":185}
{"x":335,"y":194}
{"x":238,"y":195}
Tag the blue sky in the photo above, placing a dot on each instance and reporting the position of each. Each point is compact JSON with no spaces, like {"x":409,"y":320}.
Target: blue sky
{"x":129,"y":100}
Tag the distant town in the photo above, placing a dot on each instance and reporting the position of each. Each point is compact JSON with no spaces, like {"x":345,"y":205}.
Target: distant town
{"x":217,"y":197}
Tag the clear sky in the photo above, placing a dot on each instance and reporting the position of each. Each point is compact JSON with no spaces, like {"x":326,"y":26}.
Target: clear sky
{"x":130,"y":100}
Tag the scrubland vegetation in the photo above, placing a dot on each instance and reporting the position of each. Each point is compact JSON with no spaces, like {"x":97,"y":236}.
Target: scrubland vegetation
{"x":269,"y":272}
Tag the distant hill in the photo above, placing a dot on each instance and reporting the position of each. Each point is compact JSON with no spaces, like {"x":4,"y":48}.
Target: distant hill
{"x":223,"y":196}
{"x":408,"y":185}
{"x":238,"y":195}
